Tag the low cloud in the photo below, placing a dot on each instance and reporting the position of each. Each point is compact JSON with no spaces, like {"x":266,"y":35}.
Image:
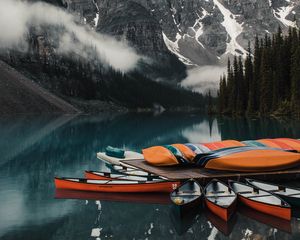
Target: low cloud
{"x":205,"y":78}
{"x":16,"y":17}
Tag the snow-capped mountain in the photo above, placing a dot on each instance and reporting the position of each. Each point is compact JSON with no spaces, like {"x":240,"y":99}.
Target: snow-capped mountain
{"x":198,"y":32}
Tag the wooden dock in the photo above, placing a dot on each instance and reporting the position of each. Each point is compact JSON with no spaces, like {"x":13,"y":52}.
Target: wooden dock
{"x":205,"y":175}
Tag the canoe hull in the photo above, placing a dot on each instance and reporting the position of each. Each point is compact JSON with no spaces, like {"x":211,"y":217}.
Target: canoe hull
{"x":222,"y":212}
{"x":277,"y":211}
{"x":186,"y":209}
{"x":140,"y":187}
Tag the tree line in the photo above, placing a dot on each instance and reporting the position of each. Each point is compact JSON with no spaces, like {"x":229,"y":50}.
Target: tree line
{"x":75,"y":77}
{"x":267,"y":82}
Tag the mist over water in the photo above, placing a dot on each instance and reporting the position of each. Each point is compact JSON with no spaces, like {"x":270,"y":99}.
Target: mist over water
{"x":16,"y":18}
{"x":204,"y":79}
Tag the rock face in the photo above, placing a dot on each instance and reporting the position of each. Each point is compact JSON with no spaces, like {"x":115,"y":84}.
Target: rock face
{"x":199,"y":32}
{"x":132,"y":22}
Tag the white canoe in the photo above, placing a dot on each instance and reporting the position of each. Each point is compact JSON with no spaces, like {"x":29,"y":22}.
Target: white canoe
{"x":129,"y":155}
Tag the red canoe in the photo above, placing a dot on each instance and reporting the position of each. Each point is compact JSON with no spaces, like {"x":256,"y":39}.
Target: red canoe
{"x":261,"y":200}
{"x":143,"y":198}
{"x":220,"y":199}
{"x":115,"y":185}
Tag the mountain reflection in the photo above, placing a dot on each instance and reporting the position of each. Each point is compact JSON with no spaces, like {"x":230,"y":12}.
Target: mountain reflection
{"x":35,"y":149}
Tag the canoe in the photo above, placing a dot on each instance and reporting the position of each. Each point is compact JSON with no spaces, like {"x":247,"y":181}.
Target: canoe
{"x":115,"y":176}
{"x":129,"y":155}
{"x":142,"y":198}
{"x":290,"y":195}
{"x":220,"y":199}
{"x":187,"y":196}
{"x":115,"y":185}
{"x":248,"y":159}
{"x":261,"y":200}
{"x":122,"y":169}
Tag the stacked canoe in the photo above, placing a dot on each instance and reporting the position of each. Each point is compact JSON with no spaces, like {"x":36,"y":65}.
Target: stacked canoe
{"x":220,"y":198}
{"x":229,"y":155}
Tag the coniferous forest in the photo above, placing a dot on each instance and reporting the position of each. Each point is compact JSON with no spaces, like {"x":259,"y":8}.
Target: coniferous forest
{"x":267,"y":82}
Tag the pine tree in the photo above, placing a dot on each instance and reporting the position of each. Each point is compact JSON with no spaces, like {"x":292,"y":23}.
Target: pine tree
{"x":249,"y":82}
{"x":230,"y":89}
{"x":266,"y":84}
{"x":256,"y":75}
{"x":241,"y":88}
{"x":222,"y":95}
{"x":295,"y":80}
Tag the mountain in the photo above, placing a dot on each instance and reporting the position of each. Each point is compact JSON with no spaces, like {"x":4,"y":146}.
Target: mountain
{"x":166,"y":36}
{"x":20,"y":95}
{"x":198,"y":32}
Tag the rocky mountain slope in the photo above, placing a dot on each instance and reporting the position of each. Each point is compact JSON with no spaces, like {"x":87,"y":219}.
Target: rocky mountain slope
{"x":199,"y":32}
{"x":18,"y":94}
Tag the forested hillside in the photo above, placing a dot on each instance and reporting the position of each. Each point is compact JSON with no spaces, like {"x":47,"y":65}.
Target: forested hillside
{"x":267,"y":82}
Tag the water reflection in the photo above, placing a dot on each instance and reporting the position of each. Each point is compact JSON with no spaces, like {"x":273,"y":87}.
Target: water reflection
{"x":35,"y":149}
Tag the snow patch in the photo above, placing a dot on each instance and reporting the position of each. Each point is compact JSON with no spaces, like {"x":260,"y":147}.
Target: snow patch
{"x":174,"y":11}
{"x":197,"y":28}
{"x":270,"y":3}
{"x":281,"y":14}
{"x":96,"y":19}
{"x":268,"y":32}
{"x":174,"y":48}
{"x":233,"y":28}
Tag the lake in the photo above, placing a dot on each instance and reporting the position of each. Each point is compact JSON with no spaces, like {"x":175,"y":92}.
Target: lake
{"x":34,"y":149}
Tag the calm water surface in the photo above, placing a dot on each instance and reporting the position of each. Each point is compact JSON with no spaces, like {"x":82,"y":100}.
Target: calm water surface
{"x":35,"y":149}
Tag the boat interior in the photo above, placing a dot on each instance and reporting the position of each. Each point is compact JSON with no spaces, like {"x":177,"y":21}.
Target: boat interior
{"x":83,"y":180}
{"x":132,"y":171}
{"x":220,"y":194}
{"x":186,"y":193}
{"x":125,"y":177}
{"x":281,"y":190}
{"x":256,"y":194}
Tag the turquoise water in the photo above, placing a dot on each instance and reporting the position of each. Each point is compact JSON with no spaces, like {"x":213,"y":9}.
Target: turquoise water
{"x":35,"y":149}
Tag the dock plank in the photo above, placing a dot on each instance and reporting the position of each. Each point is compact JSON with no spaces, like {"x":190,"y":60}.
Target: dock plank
{"x":205,"y":175}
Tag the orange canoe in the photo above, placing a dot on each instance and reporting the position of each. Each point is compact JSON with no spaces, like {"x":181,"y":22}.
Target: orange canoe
{"x":220,"y":199}
{"x":115,"y":185}
{"x":261,"y":200}
{"x":249,"y":159}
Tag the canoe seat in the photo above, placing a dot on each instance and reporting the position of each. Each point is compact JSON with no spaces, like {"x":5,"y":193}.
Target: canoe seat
{"x":216,"y":196}
{"x":257,"y":196}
